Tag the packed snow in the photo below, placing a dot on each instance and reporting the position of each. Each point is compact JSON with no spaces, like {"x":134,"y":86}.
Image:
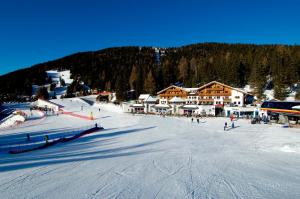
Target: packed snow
{"x":149,"y":156}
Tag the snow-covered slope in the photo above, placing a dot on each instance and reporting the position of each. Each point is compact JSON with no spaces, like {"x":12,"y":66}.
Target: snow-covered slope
{"x":12,"y":120}
{"x":151,"y":157}
{"x":269,"y":93}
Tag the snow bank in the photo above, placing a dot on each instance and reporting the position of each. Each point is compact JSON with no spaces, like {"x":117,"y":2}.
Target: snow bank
{"x":12,"y":120}
{"x":289,"y":148}
{"x":109,"y":107}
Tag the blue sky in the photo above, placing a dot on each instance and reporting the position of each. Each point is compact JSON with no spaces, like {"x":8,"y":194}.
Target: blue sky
{"x":35,"y":31}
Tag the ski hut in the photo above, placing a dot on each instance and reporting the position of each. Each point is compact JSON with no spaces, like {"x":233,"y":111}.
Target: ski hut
{"x":47,"y":105}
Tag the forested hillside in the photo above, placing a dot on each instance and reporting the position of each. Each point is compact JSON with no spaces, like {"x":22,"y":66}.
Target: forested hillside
{"x":145,"y":70}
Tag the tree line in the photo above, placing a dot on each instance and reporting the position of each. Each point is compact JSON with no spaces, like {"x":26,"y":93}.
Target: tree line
{"x":146,"y":70}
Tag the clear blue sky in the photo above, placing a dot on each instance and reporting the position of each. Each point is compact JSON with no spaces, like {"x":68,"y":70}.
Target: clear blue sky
{"x":34,"y":31}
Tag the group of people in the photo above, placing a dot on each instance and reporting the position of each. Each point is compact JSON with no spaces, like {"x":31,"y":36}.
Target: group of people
{"x":258,"y":119}
{"x":232,"y":122}
{"x":197,"y":119}
{"x":226,"y":125}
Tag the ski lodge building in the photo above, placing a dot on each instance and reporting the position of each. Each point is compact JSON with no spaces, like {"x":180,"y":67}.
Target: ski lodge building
{"x":213,"y":98}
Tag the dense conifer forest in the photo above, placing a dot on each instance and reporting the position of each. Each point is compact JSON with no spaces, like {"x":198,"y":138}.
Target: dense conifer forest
{"x":147,"y":71}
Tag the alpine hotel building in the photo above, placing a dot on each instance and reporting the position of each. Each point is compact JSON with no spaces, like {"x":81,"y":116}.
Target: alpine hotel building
{"x":207,"y":99}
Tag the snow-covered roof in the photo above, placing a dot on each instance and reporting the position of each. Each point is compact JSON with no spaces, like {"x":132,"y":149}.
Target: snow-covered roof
{"x":176,"y":99}
{"x":194,"y":90}
{"x":296,"y":108}
{"x":162,"y":106}
{"x":143,"y":96}
{"x":190,"y":90}
{"x":212,"y":82}
{"x":172,"y":86}
{"x":189,"y":107}
{"x":137,"y":106}
{"x":151,"y":99}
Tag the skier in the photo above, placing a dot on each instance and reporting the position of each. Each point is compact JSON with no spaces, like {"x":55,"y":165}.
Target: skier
{"x":46,"y":138}
{"x":99,"y":109}
{"x":197,"y":120}
{"x":192,"y":119}
{"x":225,"y":126}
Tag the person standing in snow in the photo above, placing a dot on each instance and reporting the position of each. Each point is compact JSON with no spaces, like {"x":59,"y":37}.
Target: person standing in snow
{"x":198,"y":120}
{"x":225,"y":126}
{"x":192,"y":119}
{"x":231,"y":117}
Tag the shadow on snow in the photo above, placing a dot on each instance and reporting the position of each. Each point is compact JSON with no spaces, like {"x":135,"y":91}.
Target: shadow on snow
{"x":86,"y":148}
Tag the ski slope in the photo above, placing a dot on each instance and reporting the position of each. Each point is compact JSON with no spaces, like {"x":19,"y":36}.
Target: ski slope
{"x":145,"y":156}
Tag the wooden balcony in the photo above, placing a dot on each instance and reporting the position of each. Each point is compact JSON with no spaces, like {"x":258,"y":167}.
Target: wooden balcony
{"x":214,"y":89}
{"x":215,"y":94}
{"x":173,"y":95}
{"x":206,"y":100}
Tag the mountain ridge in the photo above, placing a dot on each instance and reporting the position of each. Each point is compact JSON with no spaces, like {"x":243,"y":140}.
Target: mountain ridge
{"x":131,"y":67}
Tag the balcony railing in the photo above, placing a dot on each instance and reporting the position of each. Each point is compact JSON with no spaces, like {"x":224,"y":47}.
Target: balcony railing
{"x":173,"y":95}
{"x":214,"y":94}
{"x":214,"y":89}
{"x":206,"y":100}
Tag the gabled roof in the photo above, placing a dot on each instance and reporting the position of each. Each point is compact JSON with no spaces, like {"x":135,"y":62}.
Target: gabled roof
{"x":216,"y":82}
{"x":143,"y":96}
{"x":173,"y":86}
{"x":176,"y":99}
{"x":151,"y":99}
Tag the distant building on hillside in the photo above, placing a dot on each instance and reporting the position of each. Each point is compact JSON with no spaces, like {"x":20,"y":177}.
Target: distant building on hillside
{"x":58,"y":77}
{"x":57,"y":83}
{"x":106,"y":96}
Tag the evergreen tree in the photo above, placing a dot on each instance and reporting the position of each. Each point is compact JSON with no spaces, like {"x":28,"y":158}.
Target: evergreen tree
{"x":42,"y":93}
{"x":121,"y":88}
{"x":133,"y":78}
{"x":194,"y":71}
{"x":233,"y":64}
{"x":183,"y":70}
{"x":149,"y":84}
{"x":297,"y":96}
{"x":108,"y":86}
{"x":280,"y":91}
